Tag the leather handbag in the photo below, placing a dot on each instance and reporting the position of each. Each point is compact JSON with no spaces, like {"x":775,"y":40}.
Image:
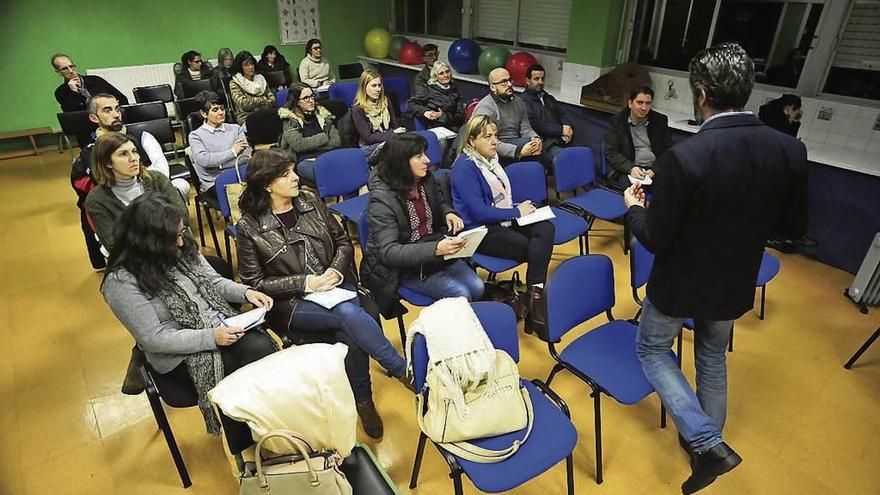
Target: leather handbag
{"x":506,"y":409}
{"x":304,"y":472}
{"x":233,"y":193}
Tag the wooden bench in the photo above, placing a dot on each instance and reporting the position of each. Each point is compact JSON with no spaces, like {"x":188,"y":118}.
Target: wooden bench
{"x":28,"y":133}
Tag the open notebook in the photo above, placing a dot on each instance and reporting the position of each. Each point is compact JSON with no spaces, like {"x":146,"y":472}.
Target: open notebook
{"x":248,"y":319}
{"x":474,"y":237}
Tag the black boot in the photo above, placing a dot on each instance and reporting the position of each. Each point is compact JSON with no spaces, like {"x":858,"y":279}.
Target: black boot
{"x":370,"y":419}
{"x":133,"y":383}
{"x":708,"y":465}
{"x":536,"y":320}
{"x":522,"y":307}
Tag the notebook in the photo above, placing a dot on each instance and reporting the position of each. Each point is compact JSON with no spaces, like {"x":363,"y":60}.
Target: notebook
{"x":330,"y":298}
{"x":474,"y":237}
{"x":247,"y":320}
{"x":539,"y":215}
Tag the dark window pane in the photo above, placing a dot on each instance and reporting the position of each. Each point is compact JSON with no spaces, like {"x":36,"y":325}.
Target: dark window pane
{"x":680,"y":40}
{"x":753,"y":26}
{"x":415,"y":16}
{"x":444,"y":18}
{"x":400,"y":16}
{"x":640,"y":48}
{"x":858,"y":83}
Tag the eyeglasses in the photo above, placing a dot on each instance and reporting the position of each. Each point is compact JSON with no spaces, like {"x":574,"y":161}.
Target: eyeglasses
{"x":197,"y":61}
{"x":66,"y":69}
{"x":503,"y":82}
{"x":182,"y":231}
{"x":309,"y":97}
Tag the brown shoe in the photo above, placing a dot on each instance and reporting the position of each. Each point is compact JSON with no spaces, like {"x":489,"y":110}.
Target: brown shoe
{"x":536,"y":320}
{"x":133,"y":383}
{"x":370,"y":419}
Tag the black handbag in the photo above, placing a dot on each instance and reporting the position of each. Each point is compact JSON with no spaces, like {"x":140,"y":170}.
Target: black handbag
{"x":507,"y":292}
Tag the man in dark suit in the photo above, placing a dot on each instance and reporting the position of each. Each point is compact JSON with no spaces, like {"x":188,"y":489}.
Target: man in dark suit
{"x":76,"y":89}
{"x":637,"y":137}
{"x":718,"y":196}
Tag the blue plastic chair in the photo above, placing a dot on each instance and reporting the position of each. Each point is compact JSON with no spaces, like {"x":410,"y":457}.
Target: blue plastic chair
{"x":400,"y":87}
{"x":419,"y":125}
{"x":528,"y":182}
{"x":434,"y":153}
{"x":412,"y":297}
{"x":339,"y":173}
{"x":604,"y":357}
{"x":281,"y":97}
{"x":553,"y":436}
{"x":768,"y":271}
{"x":225,"y":178}
{"x":344,"y":91}
{"x":574,"y":168}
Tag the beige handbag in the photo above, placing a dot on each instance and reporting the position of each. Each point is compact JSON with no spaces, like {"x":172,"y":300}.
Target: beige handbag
{"x":304,"y":472}
{"x":506,"y":411}
{"x":233,"y":193}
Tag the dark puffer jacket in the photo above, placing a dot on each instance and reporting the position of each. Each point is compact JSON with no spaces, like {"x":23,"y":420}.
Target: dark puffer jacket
{"x":390,"y":255}
{"x":433,"y":97}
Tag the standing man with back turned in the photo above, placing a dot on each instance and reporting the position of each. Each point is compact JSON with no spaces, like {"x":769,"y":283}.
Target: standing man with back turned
{"x":718,"y":196}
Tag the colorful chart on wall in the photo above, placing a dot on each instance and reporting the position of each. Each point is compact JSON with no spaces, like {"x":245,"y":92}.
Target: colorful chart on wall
{"x":298,"y":20}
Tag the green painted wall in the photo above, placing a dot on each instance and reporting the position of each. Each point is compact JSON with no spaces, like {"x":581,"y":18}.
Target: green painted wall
{"x":788,"y":32}
{"x":593,"y":32}
{"x":100,"y":33}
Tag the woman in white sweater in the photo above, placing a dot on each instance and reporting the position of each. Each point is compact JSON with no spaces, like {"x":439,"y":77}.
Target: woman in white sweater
{"x":314,"y":70}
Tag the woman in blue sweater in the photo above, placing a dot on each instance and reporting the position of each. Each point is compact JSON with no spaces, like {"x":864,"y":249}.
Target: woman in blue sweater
{"x":481,"y":194}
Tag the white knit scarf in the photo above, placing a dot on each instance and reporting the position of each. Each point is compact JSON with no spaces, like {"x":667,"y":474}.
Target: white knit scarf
{"x":256,"y":87}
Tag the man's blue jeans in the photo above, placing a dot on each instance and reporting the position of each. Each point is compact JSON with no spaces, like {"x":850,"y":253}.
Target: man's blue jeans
{"x":699,"y":417}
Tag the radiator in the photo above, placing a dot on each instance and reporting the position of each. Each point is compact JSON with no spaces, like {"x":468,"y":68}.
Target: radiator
{"x":125,"y":79}
{"x":865,"y":288}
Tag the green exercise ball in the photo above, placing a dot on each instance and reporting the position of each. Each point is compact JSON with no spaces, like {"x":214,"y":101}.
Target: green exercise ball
{"x":376,"y":42}
{"x":395,"y":46}
{"x":493,"y":57}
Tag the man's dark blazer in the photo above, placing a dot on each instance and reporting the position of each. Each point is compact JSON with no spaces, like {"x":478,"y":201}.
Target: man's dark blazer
{"x":717,"y":197}
{"x":71,"y":101}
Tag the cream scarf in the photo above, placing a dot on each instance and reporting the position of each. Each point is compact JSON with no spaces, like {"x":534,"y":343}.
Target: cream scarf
{"x":255,"y":88}
{"x":379,"y":115}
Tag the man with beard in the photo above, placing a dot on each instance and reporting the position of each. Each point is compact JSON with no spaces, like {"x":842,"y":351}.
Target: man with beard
{"x":545,"y":115}
{"x":717,"y":197}
{"x":517,"y":139}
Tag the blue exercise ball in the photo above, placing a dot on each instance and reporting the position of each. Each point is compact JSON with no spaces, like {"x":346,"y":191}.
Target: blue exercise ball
{"x":464,"y":55}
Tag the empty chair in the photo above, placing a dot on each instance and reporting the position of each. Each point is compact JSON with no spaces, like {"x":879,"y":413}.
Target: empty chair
{"x":553,"y":436}
{"x":142,"y":112}
{"x":399,"y":87}
{"x":159,"y":92}
{"x":350,"y":71}
{"x":342,"y":172}
{"x":161,"y":129}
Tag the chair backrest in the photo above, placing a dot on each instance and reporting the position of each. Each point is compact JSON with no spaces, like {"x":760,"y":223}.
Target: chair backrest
{"x":160,"y":129}
{"x":192,"y":88}
{"x":142,"y":112}
{"x":281,"y":97}
{"x":591,"y":277}
{"x":344,"y":91}
{"x":186,"y":106}
{"x":443,"y":178}
{"x":399,"y":86}
{"x":363,"y":231}
{"x":573,"y":168}
{"x":640,"y":263}
{"x":418,"y":124}
{"x":275,"y":79}
{"x":341,"y":171}
{"x":226,"y":177}
{"x":527,"y":182}
{"x":499,"y":322}
{"x":76,"y":123}
{"x":159,"y":92}
{"x":434,"y":152}
{"x":264,"y":127}
{"x":337,"y":107}
{"x":469,"y":110}
{"x":194,"y":120}
{"x":350,"y":71}
{"x":193,"y":175}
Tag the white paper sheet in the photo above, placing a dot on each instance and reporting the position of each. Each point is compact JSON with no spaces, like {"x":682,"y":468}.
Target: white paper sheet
{"x":330,"y":298}
{"x":539,"y":215}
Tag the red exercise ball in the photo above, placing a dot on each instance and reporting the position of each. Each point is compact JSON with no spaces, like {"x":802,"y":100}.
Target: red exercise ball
{"x":517,"y":65}
{"x":410,"y":53}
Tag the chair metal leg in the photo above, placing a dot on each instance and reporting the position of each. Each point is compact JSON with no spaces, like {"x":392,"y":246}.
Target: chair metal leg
{"x":855,"y":357}
{"x":556,"y":369}
{"x":199,"y":220}
{"x":763,"y":294}
{"x":213,"y":230}
{"x":402,"y":332}
{"x":228,"y":247}
{"x":597,"y":412}
{"x":165,"y":427}
{"x":662,"y":416}
{"x":417,"y":464}
{"x":626,"y":240}
{"x":730,"y":341}
{"x":569,"y":473}
{"x":679,"y":347}
{"x":456,"y":482}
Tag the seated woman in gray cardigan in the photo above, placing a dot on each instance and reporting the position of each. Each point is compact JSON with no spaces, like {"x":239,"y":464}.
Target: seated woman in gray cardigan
{"x":121,"y":178}
{"x":175,"y":305}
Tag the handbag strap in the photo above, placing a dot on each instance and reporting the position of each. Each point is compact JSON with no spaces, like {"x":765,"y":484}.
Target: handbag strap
{"x":475,"y":453}
{"x":237,"y":171}
{"x":299,"y":446}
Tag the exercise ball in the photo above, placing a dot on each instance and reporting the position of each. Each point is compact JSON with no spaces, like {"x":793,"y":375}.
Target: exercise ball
{"x":376,"y":42}
{"x":410,"y":53}
{"x":395,"y":45}
{"x":493,"y":57}
{"x":463,"y":55}
{"x":517,"y":65}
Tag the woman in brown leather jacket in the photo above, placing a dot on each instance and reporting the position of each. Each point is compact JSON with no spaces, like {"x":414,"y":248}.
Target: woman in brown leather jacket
{"x":289,"y":246}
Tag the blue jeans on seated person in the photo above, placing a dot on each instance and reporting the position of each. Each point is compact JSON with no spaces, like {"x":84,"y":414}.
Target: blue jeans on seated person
{"x":359,"y":331}
{"x":455,"y":280}
{"x":699,"y":417}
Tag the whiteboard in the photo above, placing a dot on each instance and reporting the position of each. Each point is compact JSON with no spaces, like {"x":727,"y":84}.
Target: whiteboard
{"x":298,"y":21}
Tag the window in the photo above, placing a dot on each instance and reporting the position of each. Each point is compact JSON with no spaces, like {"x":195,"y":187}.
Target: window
{"x":855,"y":68}
{"x":777,"y":34}
{"x":529,"y":24}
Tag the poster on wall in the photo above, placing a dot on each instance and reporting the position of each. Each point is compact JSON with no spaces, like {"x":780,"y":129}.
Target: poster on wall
{"x":298,"y":21}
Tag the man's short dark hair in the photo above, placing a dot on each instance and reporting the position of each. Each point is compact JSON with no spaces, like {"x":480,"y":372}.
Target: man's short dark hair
{"x":57,"y":55}
{"x":641,"y":90}
{"x":429,"y":47}
{"x":726,"y":73}
{"x":207,"y":99}
{"x":92,"y":104}
{"x":534,"y":68}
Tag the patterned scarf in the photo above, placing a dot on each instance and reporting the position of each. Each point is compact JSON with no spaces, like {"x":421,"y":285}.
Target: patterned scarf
{"x":255,"y":88}
{"x":420,"y":213}
{"x":379,"y":115}
{"x":206,"y":367}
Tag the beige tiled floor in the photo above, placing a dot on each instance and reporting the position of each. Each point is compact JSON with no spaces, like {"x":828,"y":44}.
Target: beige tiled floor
{"x":802,"y":423}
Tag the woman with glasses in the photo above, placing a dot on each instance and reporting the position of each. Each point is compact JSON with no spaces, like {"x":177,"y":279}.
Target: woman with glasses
{"x":175,"y":305}
{"x":249,"y":90}
{"x":121,"y":179}
{"x":308,"y":129}
{"x":192,"y":68}
{"x":373,"y":114}
{"x":314,"y":69}
{"x":439,"y":103}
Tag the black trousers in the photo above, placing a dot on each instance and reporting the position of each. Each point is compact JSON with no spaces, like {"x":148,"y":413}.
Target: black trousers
{"x":532,"y":244}
{"x":96,"y":257}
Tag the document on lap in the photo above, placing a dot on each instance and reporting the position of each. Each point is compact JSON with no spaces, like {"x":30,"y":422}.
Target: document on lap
{"x":247,"y":320}
{"x":539,"y":215}
{"x":330,"y":298}
{"x":474,"y":237}
{"x":443,"y":133}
